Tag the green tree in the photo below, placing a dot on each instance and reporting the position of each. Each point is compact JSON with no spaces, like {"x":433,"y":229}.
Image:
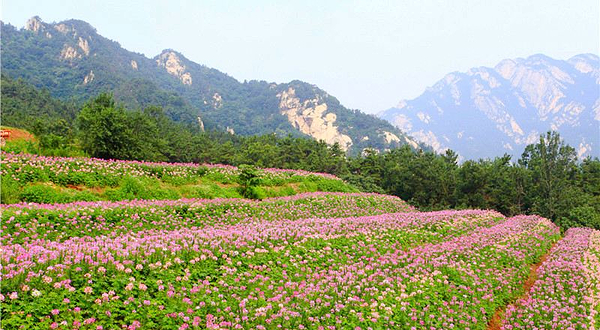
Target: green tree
{"x":553,"y":167}
{"x":103,"y":129}
{"x":249,"y":180}
{"x":148,"y":142}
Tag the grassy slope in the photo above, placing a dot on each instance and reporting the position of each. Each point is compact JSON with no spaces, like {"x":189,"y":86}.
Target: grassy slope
{"x":18,"y":140}
{"x":28,"y":178}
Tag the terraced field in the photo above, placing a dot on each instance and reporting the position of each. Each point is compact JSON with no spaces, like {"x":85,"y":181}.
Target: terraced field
{"x":311,"y":261}
{"x":38,"y":179}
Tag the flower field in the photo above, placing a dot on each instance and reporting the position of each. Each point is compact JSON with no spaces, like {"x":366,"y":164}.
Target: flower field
{"x":62,"y":170}
{"x":38,"y":179}
{"x":315,"y":260}
{"x":567,"y":292}
{"x":321,"y":260}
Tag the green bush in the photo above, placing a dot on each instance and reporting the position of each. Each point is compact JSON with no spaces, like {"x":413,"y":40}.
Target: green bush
{"x":249,"y":179}
{"x":287,"y":191}
{"x":161,"y":193}
{"x":40,"y":193}
{"x":21,"y":146}
{"x":132,"y":187}
{"x":581,"y":216}
{"x":254,"y":192}
{"x":85,"y":196}
{"x":219,"y":177}
{"x":333,"y":186}
{"x":9,"y":192}
{"x":178,"y":181}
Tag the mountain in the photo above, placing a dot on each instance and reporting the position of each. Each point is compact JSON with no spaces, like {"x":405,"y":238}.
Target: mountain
{"x":486,"y":112}
{"x":73,"y":62}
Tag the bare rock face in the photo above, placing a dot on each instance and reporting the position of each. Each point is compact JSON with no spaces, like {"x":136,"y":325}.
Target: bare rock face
{"x":69,"y":53}
{"x":217,"y":101}
{"x":62,"y":28}
{"x":486,"y":112}
{"x":201,"y":123}
{"x":89,"y":77}
{"x":390,"y":137}
{"x":84,"y":46}
{"x":134,"y":65}
{"x":172,"y":63}
{"x":34,"y":24}
{"x":310,"y":118}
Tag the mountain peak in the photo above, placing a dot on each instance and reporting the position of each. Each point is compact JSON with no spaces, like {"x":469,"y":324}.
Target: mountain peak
{"x":489,"y":111}
{"x":540,"y":57}
{"x":90,"y":64}
{"x":172,"y":62}
{"x":34,"y":24}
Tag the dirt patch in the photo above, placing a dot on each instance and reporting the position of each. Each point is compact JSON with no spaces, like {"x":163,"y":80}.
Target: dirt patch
{"x":226,"y":185}
{"x":14,"y":134}
{"x":496,"y":322}
{"x":72,"y":186}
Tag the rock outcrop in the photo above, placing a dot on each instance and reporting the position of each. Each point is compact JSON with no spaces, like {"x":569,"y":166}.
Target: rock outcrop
{"x":311,"y":118}
{"x":172,"y":63}
{"x":185,"y":89}
{"x":62,"y":28}
{"x":486,"y":112}
{"x":89,"y":77}
{"x":217,"y":101}
{"x":69,"y":53}
{"x":84,"y":46}
{"x":34,"y":24}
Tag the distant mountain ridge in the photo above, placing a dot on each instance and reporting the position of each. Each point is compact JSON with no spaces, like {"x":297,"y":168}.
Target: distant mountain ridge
{"x":73,"y":61}
{"x":486,"y":112}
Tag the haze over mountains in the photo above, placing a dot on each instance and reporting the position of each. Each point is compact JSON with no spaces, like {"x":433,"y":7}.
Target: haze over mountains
{"x":487,"y":112}
{"x":484,"y":112}
{"x":73,"y":61}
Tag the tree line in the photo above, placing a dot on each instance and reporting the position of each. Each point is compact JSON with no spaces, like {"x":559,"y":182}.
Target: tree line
{"x":547,"y":179}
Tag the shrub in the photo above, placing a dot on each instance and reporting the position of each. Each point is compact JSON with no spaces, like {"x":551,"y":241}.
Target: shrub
{"x":581,"y":216}
{"x":9,"y":192}
{"x":41,"y":194}
{"x":249,"y":179}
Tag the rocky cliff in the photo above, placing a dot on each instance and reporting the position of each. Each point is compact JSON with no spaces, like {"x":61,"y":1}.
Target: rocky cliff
{"x":486,"y":112}
{"x":73,"y":61}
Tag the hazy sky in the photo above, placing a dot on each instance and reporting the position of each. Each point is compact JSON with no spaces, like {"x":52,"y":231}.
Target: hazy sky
{"x":369,"y":54}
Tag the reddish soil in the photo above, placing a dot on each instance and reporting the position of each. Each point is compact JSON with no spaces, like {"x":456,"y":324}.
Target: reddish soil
{"x":72,"y":186}
{"x":496,"y":321}
{"x":18,"y":134}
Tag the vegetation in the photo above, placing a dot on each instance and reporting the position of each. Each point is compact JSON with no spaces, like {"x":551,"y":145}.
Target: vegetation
{"x":151,"y":234}
{"x":336,"y":260}
{"x":547,"y":180}
{"x":28,"y":178}
{"x":250,"y":107}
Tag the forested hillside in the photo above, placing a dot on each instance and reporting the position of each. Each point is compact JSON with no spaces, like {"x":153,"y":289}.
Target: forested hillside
{"x":73,"y":62}
{"x":547,"y":179}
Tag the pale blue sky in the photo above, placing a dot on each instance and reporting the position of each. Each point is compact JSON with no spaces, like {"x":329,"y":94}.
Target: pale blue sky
{"x":369,"y":54}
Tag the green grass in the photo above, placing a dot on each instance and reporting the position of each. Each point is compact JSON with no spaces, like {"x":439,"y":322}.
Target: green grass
{"x":41,"y":190}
